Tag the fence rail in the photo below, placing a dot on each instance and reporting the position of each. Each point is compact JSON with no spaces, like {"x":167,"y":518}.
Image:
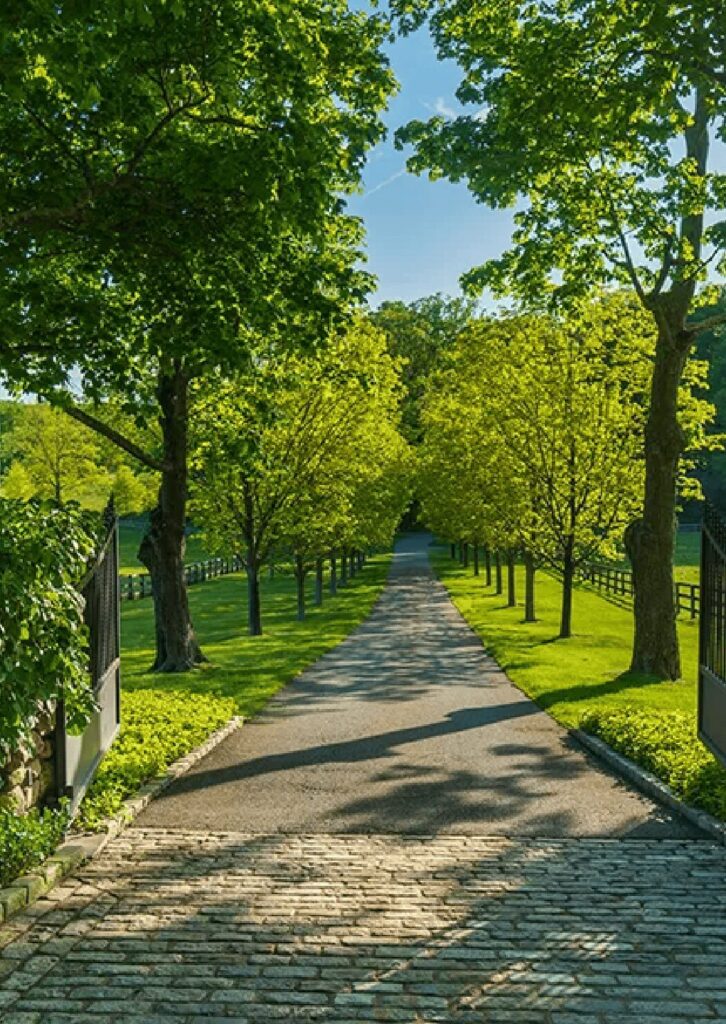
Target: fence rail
{"x":619,"y":583}
{"x":135,"y":586}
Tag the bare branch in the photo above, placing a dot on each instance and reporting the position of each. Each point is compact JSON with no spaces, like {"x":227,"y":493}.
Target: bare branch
{"x":113,"y":435}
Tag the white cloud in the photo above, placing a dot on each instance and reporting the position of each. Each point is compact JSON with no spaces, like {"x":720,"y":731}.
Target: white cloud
{"x":384,"y":184}
{"x":442,"y":108}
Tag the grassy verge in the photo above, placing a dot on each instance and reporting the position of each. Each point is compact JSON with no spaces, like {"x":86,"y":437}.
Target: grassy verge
{"x":130,"y":535}
{"x":250,"y":669}
{"x":582,"y":680}
{"x":26,"y":840}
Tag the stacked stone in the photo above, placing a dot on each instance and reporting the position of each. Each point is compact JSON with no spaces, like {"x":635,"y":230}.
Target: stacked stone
{"x":27,"y":777}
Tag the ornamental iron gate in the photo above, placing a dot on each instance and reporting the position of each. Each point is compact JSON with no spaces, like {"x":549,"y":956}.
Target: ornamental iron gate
{"x":712,"y":635}
{"x":77,"y":757}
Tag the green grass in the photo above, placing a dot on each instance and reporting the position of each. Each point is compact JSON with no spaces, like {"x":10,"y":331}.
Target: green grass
{"x":568,"y":677}
{"x":687,"y":558}
{"x":250,"y":669}
{"x":130,"y":538}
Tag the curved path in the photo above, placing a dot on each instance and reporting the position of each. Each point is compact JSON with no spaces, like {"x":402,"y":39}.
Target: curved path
{"x":407,"y":727}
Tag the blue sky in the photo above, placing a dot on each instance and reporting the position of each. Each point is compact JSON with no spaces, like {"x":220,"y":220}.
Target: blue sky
{"x":422,"y":235}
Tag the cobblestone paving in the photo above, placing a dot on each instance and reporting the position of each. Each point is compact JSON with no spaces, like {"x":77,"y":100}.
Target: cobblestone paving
{"x":181,"y":927}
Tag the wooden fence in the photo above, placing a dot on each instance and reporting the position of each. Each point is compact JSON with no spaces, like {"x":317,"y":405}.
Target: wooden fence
{"x":134,"y":586}
{"x":619,"y":583}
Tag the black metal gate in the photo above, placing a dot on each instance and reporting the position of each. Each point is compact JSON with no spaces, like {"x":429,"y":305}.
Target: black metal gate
{"x":77,"y":757}
{"x":712,"y":637}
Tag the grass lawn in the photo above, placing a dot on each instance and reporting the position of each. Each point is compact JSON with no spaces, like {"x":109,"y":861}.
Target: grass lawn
{"x":250,"y":669}
{"x":130,"y":536}
{"x":567,"y":677}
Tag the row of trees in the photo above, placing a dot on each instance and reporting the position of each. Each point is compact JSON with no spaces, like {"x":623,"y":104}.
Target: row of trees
{"x":173,"y":215}
{"x":533,"y":436}
{"x":598,"y":119}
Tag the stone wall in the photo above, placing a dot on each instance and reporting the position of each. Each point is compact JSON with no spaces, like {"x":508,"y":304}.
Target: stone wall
{"x":27,"y":779}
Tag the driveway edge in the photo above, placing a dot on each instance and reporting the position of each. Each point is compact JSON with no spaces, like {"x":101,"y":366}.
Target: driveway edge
{"x":651,"y":785}
{"x":82,"y":847}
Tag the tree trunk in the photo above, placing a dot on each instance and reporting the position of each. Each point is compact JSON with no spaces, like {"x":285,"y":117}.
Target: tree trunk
{"x":488,"y":564}
{"x":352,"y":570}
{"x":453,"y":551}
{"x":466,"y":556}
{"x":318,"y":582}
{"x":568,"y":578}
{"x":162,"y":548}
{"x":476,"y":559}
{"x":361,"y":560}
{"x":254,"y":606}
{"x":529,"y":577}
{"x":498,"y":571}
{"x":333,"y":574}
{"x":343,"y":567}
{"x":300,"y":586}
{"x":461,"y":552}
{"x":650,"y":541}
{"x":511,"y":581}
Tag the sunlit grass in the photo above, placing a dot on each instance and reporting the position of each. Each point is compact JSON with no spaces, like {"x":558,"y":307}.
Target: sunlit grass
{"x":251,"y":669}
{"x":567,"y":677}
{"x":130,"y":536}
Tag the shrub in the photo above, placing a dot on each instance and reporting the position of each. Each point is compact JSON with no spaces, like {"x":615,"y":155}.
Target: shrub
{"x":157,"y":728}
{"x":26,"y":840}
{"x":44,"y":552}
{"x":665,"y":743}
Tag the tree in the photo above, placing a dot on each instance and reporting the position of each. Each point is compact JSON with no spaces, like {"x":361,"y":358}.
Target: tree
{"x":282,"y":455}
{"x":600,"y":115}
{"x":172,"y":192}
{"x":420,"y":333}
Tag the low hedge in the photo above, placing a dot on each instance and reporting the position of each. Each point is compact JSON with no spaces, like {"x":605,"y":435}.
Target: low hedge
{"x":157,"y":727}
{"x":26,"y":840}
{"x":666,"y":744}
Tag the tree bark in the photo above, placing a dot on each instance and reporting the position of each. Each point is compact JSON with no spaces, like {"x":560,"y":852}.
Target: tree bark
{"x":476,"y":559}
{"x":650,"y":541}
{"x":453,"y":551}
{"x":466,"y":556}
{"x":318,"y":582}
{"x":498,"y":571}
{"x":343,"y":567}
{"x":488,"y":564}
{"x":529,"y":580}
{"x":300,"y":587}
{"x":568,"y":579}
{"x":162,"y":548}
{"x":333,"y":574}
{"x":511,"y":580}
{"x":254,"y":606}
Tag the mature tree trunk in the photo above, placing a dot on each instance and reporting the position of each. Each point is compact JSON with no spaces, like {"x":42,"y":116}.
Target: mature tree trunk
{"x":351,"y":564}
{"x":162,"y":548}
{"x":343,"y":567}
{"x":568,"y":579}
{"x":361,"y":560}
{"x":476,"y":559}
{"x":466,"y":556}
{"x":333,"y":574}
{"x":511,"y":580}
{"x":650,"y":541}
{"x":498,"y":572}
{"x":453,"y":551}
{"x":488,"y":564}
{"x":318,"y":582}
{"x":254,"y":606}
{"x":529,"y":578}
{"x":300,"y":587}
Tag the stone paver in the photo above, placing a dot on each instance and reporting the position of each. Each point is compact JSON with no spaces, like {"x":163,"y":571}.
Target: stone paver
{"x":540,"y":890}
{"x":408,"y":726}
{"x":197,"y":927}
